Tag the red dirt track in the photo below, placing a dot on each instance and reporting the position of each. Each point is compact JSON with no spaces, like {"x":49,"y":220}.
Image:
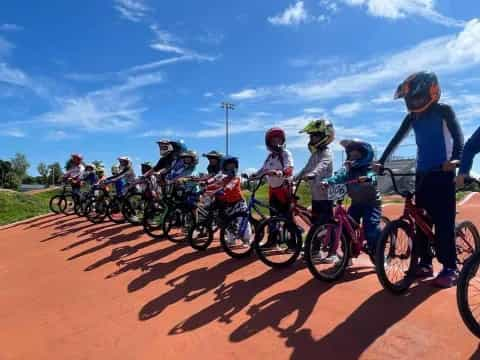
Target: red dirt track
{"x":72,"y":290}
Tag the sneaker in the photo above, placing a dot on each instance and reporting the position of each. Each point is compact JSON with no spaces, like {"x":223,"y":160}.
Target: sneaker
{"x":332,"y":259}
{"x":424,"y":271}
{"x":447,"y":278}
{"x":230,"y":239}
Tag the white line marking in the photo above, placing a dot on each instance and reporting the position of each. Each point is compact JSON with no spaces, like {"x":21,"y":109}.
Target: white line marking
{"x":467,"y":198}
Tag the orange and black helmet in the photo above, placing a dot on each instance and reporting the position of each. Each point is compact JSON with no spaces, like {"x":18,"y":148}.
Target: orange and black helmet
{"x":420,"y":90}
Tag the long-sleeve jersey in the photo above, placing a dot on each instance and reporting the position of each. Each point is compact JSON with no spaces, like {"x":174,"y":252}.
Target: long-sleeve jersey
{"x":282,"y":161}
{"x":229,"y":186}
{"x":75,"y":172}
{"x":319,"y":166}
{"x":89,"y":177}
{"x":365,"y":193}
{"x":472,"y":148}
{"x":180,"y":170}
{"x":127,"y":174}
{"x":438,"y":136}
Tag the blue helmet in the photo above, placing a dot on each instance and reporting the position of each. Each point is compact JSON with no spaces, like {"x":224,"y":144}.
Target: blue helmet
{"x":420,"y":90}
{"x":228,"y":160}
{"x":365,"y":149}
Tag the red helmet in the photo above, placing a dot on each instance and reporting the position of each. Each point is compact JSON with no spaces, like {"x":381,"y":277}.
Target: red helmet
{"x":77,"y":156}
{"x":272,"y":133}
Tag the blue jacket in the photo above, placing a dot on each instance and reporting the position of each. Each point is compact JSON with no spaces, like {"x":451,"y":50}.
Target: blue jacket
{"x":472,"y":148}
{"x":438,"y":136}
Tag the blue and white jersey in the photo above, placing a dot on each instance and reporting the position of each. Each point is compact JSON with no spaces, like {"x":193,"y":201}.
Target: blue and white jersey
{"x":438,"y":136}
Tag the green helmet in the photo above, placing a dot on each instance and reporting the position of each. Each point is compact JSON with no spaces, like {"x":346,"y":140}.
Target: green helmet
{"x":146,"y":166}
{"x":322,"y":128}
{"x":190,"y":154}
{"x":214,"y":155}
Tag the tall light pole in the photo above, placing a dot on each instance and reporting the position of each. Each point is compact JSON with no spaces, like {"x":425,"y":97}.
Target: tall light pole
{"x":227,"y":106}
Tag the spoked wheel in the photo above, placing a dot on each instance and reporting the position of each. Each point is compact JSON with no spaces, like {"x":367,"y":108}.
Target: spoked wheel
{"x":153,"y":220}
{"x":96,"y":210}
{"x":69,"y":206}
{"x":396,"y":257}
{"x":278,"y":242}
{"x":467,"y":241}
{"x":80,"y":207}
{"x":114,"y":211}
{"x":468,"y":294}
{"x":57,"y":204}
{"x":238,"y":235}
{"x":327,"y":252}
{"x":177,"y":224}
{"x":201,"y":235}
{"x":133,"y":208}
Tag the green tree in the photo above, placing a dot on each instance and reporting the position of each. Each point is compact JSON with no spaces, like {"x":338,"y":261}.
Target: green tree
{"x":98,"y":164}
{"x":20,"y":165}
{"x":5,"y":168}
{"x":42,"y":169}
{"x":12,"y":181}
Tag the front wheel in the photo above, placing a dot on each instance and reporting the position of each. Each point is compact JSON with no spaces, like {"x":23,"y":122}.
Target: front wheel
{"x":201,"y":235}
{"x":133,"y":208}
{"x":96,"y":210}
{"x":396,"y":257}
{"x":468,"y":294}
{"x":114,"y":210}
{"x":467,"y":242}
{"x":57,"y":204}
{"x":327,"y":252}
{"x":177,"y":224}
{"x":278,"y":242}
{"x":237,"y":235}
{"x":153,"y":220}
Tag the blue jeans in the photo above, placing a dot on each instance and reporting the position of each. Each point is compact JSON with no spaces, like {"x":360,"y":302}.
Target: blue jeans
{"x":370,"y":216}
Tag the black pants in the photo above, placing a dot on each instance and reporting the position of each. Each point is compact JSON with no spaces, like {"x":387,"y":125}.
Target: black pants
{"x":322,"y":211}
{"x":436,"y":194}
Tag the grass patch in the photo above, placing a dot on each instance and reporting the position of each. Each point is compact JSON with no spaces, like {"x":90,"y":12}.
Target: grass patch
{"x":16,"y":206}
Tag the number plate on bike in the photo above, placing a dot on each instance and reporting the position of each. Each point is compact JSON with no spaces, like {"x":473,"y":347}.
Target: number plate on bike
{"x":337,"y":192}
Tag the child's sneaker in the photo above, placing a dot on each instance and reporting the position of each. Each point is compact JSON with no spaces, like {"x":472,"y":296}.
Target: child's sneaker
{"x":447,"y":278}
{"x":423,"y":271}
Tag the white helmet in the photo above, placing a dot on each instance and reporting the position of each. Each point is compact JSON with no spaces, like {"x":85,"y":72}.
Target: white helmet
{"x":125,"y":159}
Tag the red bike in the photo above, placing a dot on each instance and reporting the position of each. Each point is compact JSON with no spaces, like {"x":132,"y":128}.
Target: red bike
{"x":329,"y":248}
{"x":397,"y":251}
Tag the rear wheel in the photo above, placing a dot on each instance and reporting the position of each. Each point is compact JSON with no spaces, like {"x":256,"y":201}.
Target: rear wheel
{"x":69,"y":206}
{"x":238,"y":235}
{"x":326,"y":252}
{"x":133,"y":208}
{"x":114,"y":211}
{"x":396,"y":257}
{"x":278,"y":242}
{"x":153,"y":220}
{"x":467,"y":241}
{"x":96,"y":210}
{"x":468,"y":294}
{"x":201,"y":235}
{"x":177,"y":224}
{"x":57,"y":204}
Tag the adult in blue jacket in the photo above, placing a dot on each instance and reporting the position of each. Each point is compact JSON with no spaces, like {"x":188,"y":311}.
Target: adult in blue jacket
{"x":472,"y":148}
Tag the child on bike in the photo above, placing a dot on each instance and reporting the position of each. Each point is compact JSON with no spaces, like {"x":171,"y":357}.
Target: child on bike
{"x":366,"y":203}
{"x":124,"y":177}
{"x":89,"y":176}
{"x":228,"y":194}
{"x":188,"y":160}
{"x":74,"y":173}
{"x":439,"y":141}
{"x":279,"y":166}
{"x":472,"y":148}
{"x":170,"y":151}
{"x":319,"y":167}
{"x":214,"y":162}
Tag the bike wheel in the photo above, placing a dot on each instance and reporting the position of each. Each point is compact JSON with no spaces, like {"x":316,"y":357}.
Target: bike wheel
{"x":278,"y":242}
{"x":327,"y":252}
{"x":153,"y":220}
{"x":96,"y":210}
{"x":468,"y":294}
{"x":396,"y":257}
{"x":467,"y":242}
{"x":114,"y":211}
{"x":177,"y":224}
{"x":69,"y":207}
{"x":384,"y":221}
{"x":133,"y":208}
{"x":200,"y":236}
{"x":237,"y":235}
{"x":57,"y":204}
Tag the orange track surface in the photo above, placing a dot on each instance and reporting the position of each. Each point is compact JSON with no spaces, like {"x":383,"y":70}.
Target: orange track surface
{"x":72,"y":290}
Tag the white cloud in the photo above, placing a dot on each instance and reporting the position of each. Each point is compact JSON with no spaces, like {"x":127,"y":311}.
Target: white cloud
{"x":58,"y":135}
{"x":314,"y":110}
{"x":208,"y":94}
{"x":168,"y":48}
{"x":5,"y":47}
{"x":132,"y":10}
{"x":293,"y":15}
{"x":13,"y":132}
{"x":347,"y":110}
{"x":10,"y":27}
{"x":397,"y":9}
{"x":13,"y":76}
{"x":244,"y":94}
{"x":448,"y":54}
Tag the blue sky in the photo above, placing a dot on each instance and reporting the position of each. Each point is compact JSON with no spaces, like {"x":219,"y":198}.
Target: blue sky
{"x":109,"y":78}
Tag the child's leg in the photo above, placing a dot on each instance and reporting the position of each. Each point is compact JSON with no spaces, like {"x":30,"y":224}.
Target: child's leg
{"x":371,"y":225}
{"x":423,"y":200}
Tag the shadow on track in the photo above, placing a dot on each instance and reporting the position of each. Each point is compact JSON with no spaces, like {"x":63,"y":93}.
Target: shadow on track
{"x":191,"y":285}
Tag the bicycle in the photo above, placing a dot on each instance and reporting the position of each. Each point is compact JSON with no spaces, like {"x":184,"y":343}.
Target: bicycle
{"x":330,"y":247}
{"x":96,"y":204}
{"x":212,"y":217}
{"x":278,"y":240}
{"x":397,"y":244}
{"x":468,"y":290}
{"x":135,"y":201}
{"x":65,"y":201}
